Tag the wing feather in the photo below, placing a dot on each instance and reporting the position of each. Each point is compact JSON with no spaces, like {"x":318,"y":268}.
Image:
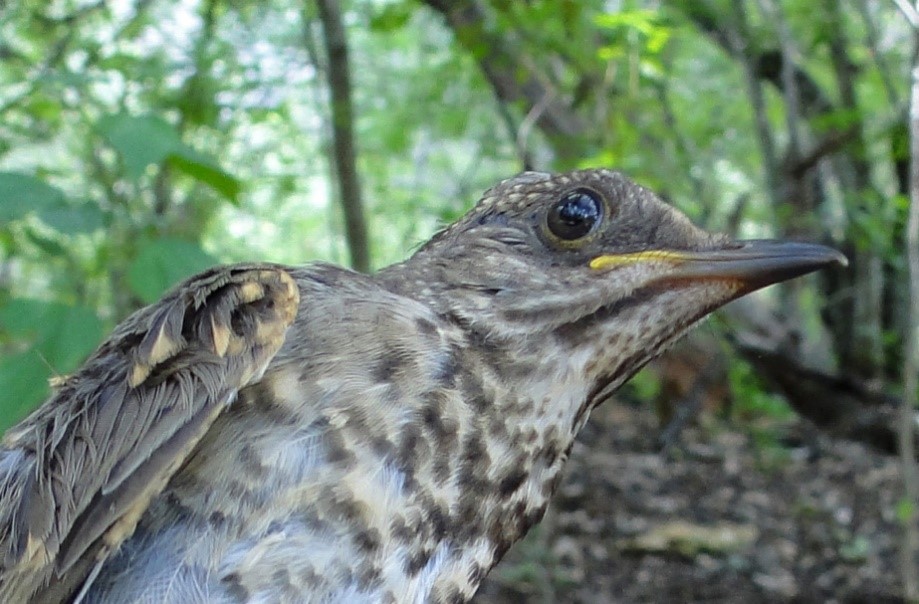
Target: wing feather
{"x":76,"y":475}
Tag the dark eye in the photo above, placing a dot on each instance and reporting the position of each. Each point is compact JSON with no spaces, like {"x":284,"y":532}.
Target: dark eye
{"x":574,"y":215}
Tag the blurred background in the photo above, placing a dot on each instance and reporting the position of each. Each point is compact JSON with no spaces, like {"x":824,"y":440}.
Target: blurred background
{"x":142,"y":141}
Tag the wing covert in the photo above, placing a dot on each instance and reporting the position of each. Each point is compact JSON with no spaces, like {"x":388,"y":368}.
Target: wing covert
{"x":77,"y":474}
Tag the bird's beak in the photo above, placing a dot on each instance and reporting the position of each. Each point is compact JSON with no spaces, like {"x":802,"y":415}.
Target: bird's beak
{"x":753,"y":263}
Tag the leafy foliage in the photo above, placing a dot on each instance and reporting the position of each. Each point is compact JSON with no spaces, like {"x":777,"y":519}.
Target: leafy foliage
{"x":161,"y":263}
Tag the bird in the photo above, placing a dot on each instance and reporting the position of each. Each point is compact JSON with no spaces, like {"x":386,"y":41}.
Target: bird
{"x":270,"y":433}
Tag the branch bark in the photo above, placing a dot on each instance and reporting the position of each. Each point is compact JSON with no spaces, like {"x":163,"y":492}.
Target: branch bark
{"x":339,"y":74}
{"x":767,"y":65}
{"x":515,"y":79}
{"x":737,"y":43}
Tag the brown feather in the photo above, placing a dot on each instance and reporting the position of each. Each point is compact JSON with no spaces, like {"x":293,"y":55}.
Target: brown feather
{"x":107,"y":441}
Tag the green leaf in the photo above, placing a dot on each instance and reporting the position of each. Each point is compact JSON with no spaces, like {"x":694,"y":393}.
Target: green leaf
{"x":146,"y":140}
{"x":46,"y":244}
{"x":68,"y":78}
{"x":61,"y":334}
{"x":24,"y":383}
{"x":906,"y":510}
{"x":202,"y":168}
{"x":391,"y":17}
{"x":140,"y":140}
{"x":21,"y":194}
{"x":43,"y":108}
{"x":71,"y":219}
{"x":19,"y":317}
{"x":73,"y":332}
{"x":162,"y":263}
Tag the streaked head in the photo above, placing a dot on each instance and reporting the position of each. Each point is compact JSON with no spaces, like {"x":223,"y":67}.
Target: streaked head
{"x":597,"y":264}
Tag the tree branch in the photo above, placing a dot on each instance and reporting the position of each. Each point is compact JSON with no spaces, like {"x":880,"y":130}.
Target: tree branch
{"x":339,"y":74}
{"x":513,"y":77}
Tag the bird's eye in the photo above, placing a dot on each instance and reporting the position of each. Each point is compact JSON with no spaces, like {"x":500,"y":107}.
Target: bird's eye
{"x":574,"y":215}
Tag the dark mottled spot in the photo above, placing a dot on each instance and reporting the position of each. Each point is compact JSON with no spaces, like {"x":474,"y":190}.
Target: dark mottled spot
{"x":425,"y":502}
{"x":550,"y":485}
{"x":578,"y":330}
{"x":474,"y":450}
{"x":444,"y":374}
{"x":217,"y":519}
{"x":501,"y":549}
{"x":475,"y":458}
{"x":382,"y":446}
{"x":474,"y":393}
{"x":386,"y":369}
{"x":513,"y":524}
{"x":336,"y":450}
{"x":357,"y":420}
{"x":320,"y":424}
{"x":568,"y":448}
{"x":345,"y":575}
{"x":250,"y":462}
{"x":442,"y":428}
{"x":441,"y":468}
{"x":467,"y":517}
{"x":407,"y":531}
{"x":472,"y":482}
{"x":233,"y":585}
{"x":238,"y":490}
{"x":310,"y":577}
{"x":411,"y":449}
{"x":400,"y":530}
{"x":242,"y":322}
{"x":345,"y":506}
{"x":416,"y":561}
{"x":476,"y":574}
{"x":481,"y":342}
{"x":497,"y":429}
{"x":455,"y":596}
{"x":439,"y":520}
{"x":177,"y":507}
{"x":314,"y":519}
{"x":280,"y":578}
{"x":531,"y":519}
{"x":425,"y":326}
{"x":369,"y":540}
{"x":368,"y":576}
{"x":260,"y":397}
{"x":551,"y":452}
{"x":431,"y":414}
{"x":511,"y":482}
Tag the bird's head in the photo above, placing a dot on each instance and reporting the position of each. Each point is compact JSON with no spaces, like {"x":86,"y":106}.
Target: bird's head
{"x":595,"y":264}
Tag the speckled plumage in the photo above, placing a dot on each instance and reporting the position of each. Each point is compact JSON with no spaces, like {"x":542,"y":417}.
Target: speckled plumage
{"x":389,"y":447}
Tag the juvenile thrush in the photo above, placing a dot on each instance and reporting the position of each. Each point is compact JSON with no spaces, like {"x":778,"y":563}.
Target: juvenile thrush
{"x":277,"y":434}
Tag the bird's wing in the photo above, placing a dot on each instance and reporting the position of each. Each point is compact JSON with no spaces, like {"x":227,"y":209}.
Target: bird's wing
{"x":77,"y":474}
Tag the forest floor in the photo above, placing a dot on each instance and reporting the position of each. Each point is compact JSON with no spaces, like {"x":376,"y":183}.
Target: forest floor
{"x":718,"y":517}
